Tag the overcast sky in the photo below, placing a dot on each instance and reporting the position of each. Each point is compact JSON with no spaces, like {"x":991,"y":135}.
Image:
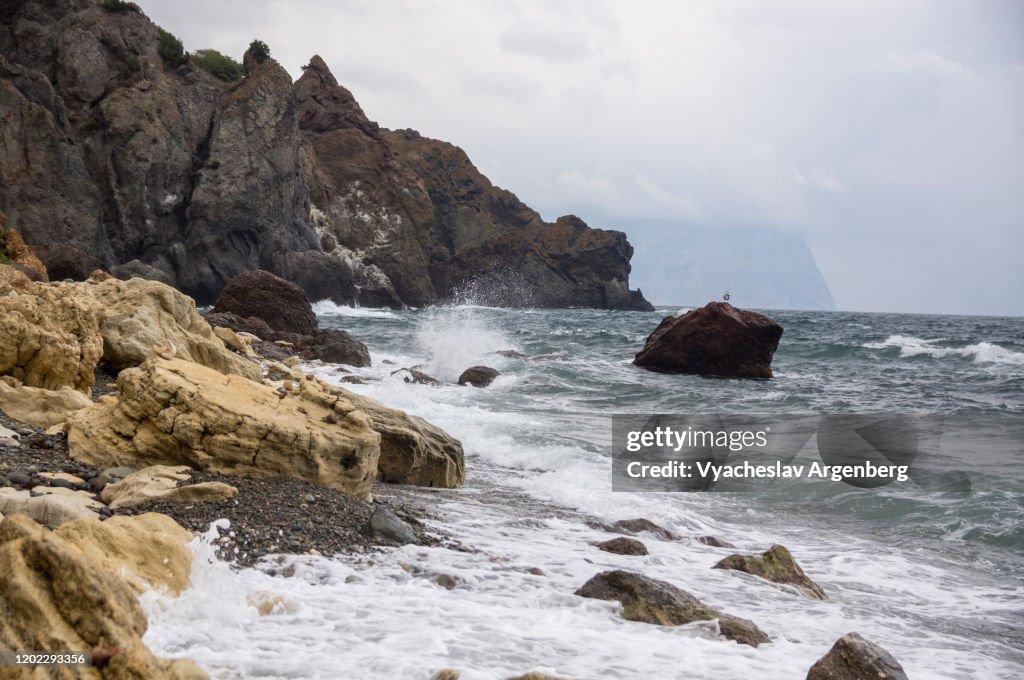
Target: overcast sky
{"x":890,"y":134}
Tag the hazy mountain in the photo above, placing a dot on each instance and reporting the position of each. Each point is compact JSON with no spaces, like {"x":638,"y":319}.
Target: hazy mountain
{"x":687,"y":264}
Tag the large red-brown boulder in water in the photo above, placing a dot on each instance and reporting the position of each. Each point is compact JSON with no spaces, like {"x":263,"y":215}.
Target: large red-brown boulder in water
{"x":715,"y":340}
{"x":282,"y":304}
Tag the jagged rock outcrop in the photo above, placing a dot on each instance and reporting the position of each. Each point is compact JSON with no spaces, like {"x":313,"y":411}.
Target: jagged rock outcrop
{"x":50,"y":337}
{"x":175,"y":412}
{"x":55,"y":334}
{"x":160,"y":170}
{"x":716,"y":340}
{"x":56,"y":596}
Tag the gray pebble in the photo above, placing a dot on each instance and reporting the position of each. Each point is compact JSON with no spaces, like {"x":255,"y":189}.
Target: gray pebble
{"x":18,"y":478}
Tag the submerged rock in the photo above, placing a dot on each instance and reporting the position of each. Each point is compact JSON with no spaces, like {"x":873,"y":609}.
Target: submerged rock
{"x":281,"y":304}
{"x":637,"y":526}
{"x":714,"y":542}
{"x":716,"y":340}
{"x":854,"y":658}
{"x":623,"y":546}
{"x":652,"y":601}
{"x":416,"y":377}
{"x":478,"y":376}
{"x":776,"y":565}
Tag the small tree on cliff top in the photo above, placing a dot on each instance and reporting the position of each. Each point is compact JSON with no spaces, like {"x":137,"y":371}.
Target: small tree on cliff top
{"x":259,"y":50}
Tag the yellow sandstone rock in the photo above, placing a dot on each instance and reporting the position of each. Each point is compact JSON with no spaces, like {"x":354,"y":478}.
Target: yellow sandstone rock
{"x":160,"y":482}
{"x":149,"y":550}
{"x":50,"y":337}
{"x":39,"y":407}
{"x":56,"y":596}
{"x":175,"y":412}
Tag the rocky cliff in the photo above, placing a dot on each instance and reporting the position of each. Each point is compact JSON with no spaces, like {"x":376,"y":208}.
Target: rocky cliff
{"x":113,"y":154}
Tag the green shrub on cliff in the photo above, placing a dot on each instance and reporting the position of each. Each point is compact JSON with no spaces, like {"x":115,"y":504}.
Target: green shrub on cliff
{"x":221,"y":66}
{"x":171,"y":51}
{"x":259,"y":50}
{"x":120,"y":6}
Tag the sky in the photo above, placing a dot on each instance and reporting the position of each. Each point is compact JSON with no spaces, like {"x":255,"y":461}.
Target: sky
{"x":888,"y":133}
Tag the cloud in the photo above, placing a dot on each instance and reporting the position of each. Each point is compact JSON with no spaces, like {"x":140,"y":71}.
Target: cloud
{"x":547,"y":42}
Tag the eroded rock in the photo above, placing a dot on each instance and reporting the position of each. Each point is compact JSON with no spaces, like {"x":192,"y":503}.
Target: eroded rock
{"x":175,"y":412}
{"x":39,"y":407}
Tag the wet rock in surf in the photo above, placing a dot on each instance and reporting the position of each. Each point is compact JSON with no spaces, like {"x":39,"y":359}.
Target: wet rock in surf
{"x":337,"y":347}
{"x":853,"y":658}
{"x":416,"y":377}
{"x":281,"y":304}
{"x":649,"y":600}
{"x":387,"y":526}
{"x":776,"y":565}
{"x":716,"y":340}
{"x":478,"y":376}
{"x":637,"y":526}
{"x":714,"y":542}
{"x":623,"y":546}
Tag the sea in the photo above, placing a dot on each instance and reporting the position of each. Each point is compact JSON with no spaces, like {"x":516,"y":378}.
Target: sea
{"x":932,"y":573}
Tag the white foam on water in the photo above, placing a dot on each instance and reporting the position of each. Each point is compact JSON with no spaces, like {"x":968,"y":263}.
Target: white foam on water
{"x":454,"y":338}
{"x":350,"y":617}
{"x":981,"y":352}
{"x":534,"y":480}
{"x":328,"y":308}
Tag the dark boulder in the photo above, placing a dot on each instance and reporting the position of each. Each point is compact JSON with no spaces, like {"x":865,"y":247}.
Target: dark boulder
{"x":652,"y":601}
{"x":141,"y":270}
{"x":715,"y":340}
{"x":478,"y":376}
{"x":416,"y":377}
{"x":854,"y":658}
{"x":776,"y":565}
{"x":282,"y":304}
{"x":623,"y":546}
{"x":337,"y":347}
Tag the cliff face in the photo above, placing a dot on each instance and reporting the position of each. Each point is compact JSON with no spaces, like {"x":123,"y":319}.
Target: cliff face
{"x":109,"y":155}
